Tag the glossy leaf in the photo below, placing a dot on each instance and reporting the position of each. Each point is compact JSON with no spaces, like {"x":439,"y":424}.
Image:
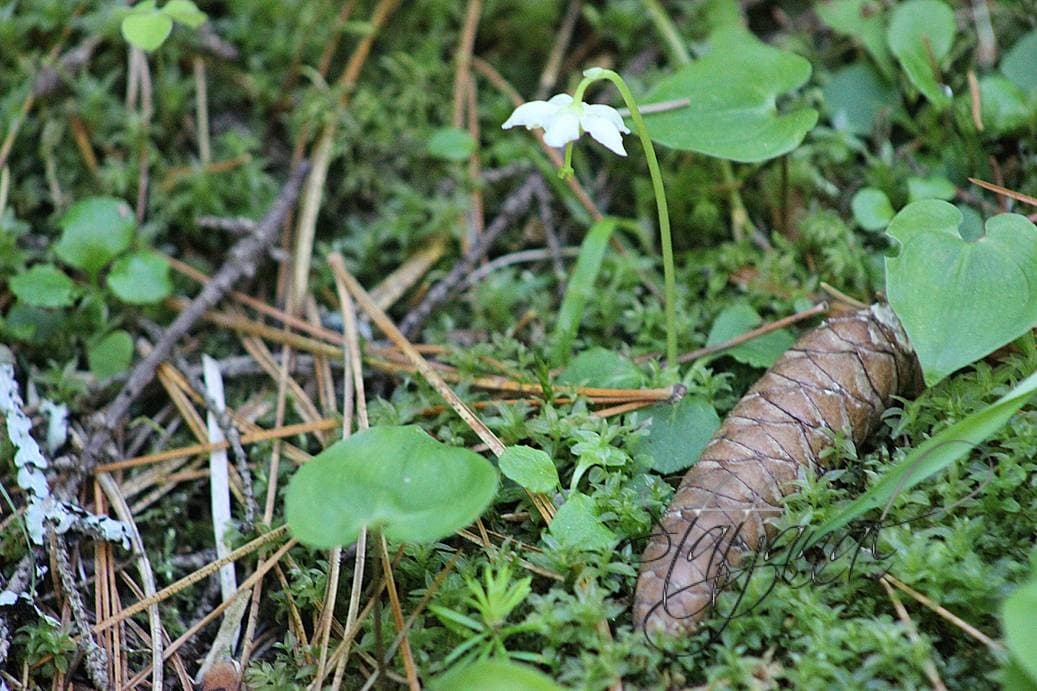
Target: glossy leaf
{"x":397,"y":479}
{"x":856,"y":96}
{"x":44,"y":285}
{"x":920,"y":33}
{"x":732,"y":94}
{"x":94,"y":231}
{"x":141,"y":278}
{"x":494,"y":675}
{"x":1018,"y":63}
{"x":958,"y":299}
{"x":872,"y":209}
{"x":601,"y":367}
{"x":110,"y":355}
{"x":759,"y":352}
{"x":577,"y":526}
{"x":678,"y":433}
{"x":530,"y":468}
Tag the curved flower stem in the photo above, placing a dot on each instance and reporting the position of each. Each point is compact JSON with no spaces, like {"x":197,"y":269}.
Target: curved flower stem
{"x":669,"y":278}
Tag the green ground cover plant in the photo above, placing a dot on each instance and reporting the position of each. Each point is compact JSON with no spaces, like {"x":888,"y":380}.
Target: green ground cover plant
{"x":464,"y":367}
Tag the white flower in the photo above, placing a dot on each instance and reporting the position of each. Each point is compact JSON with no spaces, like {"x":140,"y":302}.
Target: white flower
{"x":563,"y":122}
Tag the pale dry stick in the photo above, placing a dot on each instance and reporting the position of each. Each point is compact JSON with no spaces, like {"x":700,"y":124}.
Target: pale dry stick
{"x":178,"y":664}
{"x":201,"y":108}
{"x":520,"y":257}
{"x":322,"y":369}
{"x":928,"y":667}
{"x":147,"y":110}
{"x":463,"y":57}
{"x":999,"y":189}
{"x":147,"y":575}
{"x":549,"y":75}
{"x":248,"y":583}
{"x":268,"y":510}
{"x":392,"y":287}
{"x":104,"y":573}
{"x":192,"y":578}
{"x":198,"y":449}
{"x":353,"y":396}
{"x":324,"y":64}
{"x":975,"y":100}
{"x":994,"y":646}
{"x":5,"y":186}
{"x":842,"y":297}
{"x":383,"y":322}
{"x":397,"y":613}
{"x":313,"y":195}
{"x":476,"y":214}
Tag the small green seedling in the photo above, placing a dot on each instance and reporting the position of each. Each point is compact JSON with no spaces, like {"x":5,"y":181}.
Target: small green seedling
{"x":395,"y":479}
{"x":500,"y":675}
{"x":147,"y":27}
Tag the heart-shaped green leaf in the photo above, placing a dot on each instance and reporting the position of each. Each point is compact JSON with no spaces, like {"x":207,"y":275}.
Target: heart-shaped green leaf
{"x":856,"y":96}
{"x":531,"y":468}
{"x":94,"y":231}
{"x":451,"y":144}
{"x":141,"y":278}
{"x":1018,"y":62}
{"x":44,"y":285}
{"x":731,"y":92}
{"x":398,"y":479}
{"x":110,"y":355}
{"x":872,"y":208}
{"x":678,"y":433}
{"x":958,"y":299}
{"x":146,"y":30}
{"x":920,"y":35}
{"x":184,"y":12}
{"x":603,"y":368}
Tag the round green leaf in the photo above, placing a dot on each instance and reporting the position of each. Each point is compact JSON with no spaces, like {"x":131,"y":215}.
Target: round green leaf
{"x":603,"y":368}
{"x":678,"y":433}
{"x":1005,"y":106}
{"x":935,"y":187}
{"x":110,"y":355}
{"x":397,"y":479}
{"x":146,"y":30}
{"x":451,"y":144}
{"x":44,"y":285}
{"x":921,"y":32}
{"x":960,"y":299}
{"x":577,"y":526}
{"x":872,"y":209}
{"x":759,"y":352}
{"x":732,"y":94}
{"x":863,"y":21}
{"x":494,"y":675}
{"x":1018,"y":62}
{"x":94,"y":231}
{"x":141,"y":278}
{"x":855,"y":96}
{"x":530,"y":468}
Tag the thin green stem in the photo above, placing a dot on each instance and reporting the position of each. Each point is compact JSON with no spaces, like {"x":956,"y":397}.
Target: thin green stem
{"x":669,"y":276}
{"x":668,"y":30}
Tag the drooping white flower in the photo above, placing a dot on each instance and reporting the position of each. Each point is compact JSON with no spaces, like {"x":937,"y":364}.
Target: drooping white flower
{"x":563,"y":120}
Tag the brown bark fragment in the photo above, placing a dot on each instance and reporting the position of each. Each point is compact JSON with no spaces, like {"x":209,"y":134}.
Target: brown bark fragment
{"x":836,"y":380}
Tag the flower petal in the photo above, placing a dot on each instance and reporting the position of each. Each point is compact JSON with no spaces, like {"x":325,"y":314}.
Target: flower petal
{"x":532,"y":114}
{"x":604,"y":130}
{"x":563,"y":128}
{"x":610,"y":114}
